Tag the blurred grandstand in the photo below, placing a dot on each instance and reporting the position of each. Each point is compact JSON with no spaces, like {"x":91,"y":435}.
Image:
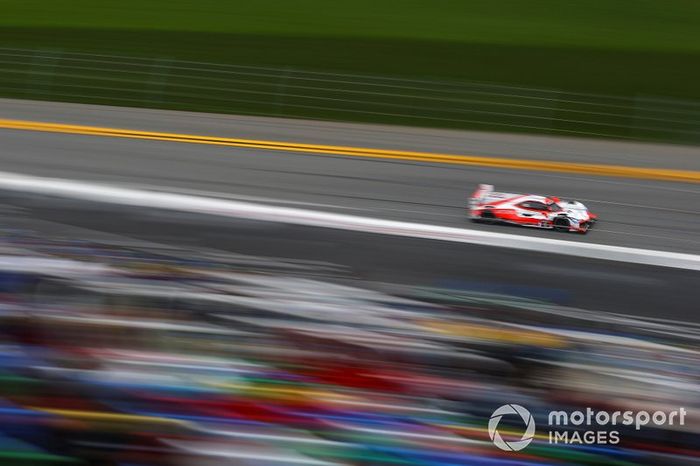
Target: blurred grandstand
{"x":113,"y":354}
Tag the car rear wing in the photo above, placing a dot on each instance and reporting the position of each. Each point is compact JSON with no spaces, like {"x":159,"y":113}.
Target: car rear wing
{"x":482,"y":192}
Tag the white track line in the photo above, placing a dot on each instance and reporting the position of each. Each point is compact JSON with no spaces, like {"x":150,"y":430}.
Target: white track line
{"x":231,"y":208}
{"x":236,"y":197}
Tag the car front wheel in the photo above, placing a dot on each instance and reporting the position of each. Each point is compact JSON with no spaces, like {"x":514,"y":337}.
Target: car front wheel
{"x":561,"y":224}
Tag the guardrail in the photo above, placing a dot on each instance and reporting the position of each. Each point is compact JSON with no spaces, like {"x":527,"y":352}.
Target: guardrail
{"x":290,"y":92}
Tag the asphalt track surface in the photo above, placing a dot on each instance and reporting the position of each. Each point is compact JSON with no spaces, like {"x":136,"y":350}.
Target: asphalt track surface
{"x":635,"y":213}
{"x":595,"y":285}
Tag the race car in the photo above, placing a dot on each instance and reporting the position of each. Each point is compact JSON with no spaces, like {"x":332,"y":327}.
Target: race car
{"x":488,"y":206}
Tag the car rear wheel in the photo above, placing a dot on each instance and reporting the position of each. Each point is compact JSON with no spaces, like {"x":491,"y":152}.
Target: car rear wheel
{"x":487,"y":217}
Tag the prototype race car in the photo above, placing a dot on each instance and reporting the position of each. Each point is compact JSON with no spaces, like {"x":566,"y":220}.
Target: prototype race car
{"x":488,"y":206}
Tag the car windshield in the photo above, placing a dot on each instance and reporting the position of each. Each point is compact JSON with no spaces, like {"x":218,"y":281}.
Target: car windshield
{"x":554,"y":207}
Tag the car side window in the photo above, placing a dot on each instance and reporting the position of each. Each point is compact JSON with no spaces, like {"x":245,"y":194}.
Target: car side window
{"x":533,"y":205}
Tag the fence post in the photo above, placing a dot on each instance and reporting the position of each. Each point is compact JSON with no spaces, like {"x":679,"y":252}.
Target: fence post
{"x":282,"y":89}
{"x":42,"y":71}
{"x":160,"y":74}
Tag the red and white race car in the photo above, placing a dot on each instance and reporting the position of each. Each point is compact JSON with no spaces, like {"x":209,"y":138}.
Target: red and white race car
{"x":488,"y":206}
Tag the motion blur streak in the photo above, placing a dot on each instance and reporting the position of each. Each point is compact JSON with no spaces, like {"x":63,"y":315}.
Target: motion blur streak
{"x":244,"y":234}
{"x":687,"y":176}
{"x":126,"y":353}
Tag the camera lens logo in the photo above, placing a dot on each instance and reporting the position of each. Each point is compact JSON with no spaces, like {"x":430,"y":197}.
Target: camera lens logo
{"x":515,"y":445}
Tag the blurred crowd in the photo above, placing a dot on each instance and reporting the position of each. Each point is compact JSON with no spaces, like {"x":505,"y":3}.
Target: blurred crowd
{"x":115,"y":354}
